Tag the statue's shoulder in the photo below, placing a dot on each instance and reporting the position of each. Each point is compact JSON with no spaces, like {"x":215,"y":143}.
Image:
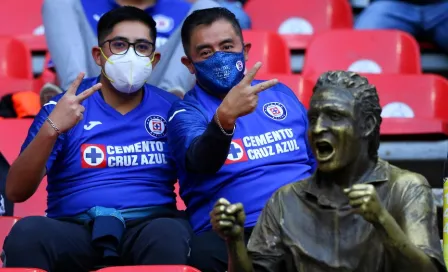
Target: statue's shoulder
{"x":402,"y":176}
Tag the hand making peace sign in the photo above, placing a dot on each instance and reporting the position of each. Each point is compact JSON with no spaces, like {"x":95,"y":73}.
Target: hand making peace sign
{"x":243,"y":98}
{"x":69,"y":111}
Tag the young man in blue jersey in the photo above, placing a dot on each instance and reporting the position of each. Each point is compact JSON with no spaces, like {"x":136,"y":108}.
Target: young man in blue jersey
{"x":232,"y":136}
{"x":103,"y":147}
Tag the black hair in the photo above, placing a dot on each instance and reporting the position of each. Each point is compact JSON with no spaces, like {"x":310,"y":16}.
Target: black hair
{"x":207,"y":17}
{"x":366,"y":98}
{"x":108,"y":21}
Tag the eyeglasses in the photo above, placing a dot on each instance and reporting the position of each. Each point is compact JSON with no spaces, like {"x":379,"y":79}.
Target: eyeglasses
{"x":121,"y":47}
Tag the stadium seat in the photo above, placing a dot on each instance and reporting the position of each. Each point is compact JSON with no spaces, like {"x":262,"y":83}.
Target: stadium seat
{"x":180,"y":203}
{"x":36,"y":204}
{"x":15,"y":59}
{"x":20,"y":270}
{"x":150,"y":268}
{"x":10,"y":85}
{"x":6,"y":223}
{"x":364,"y":51}
{"x":298,"y":84}
{"x":412,"y":104}
{"x":270,"y":49}
{"x":23,"y":19}
{"x":298,"y":19}
{"x":12,"y":136}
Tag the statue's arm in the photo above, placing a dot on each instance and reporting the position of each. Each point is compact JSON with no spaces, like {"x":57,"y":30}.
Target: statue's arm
{"x":412,"y":239}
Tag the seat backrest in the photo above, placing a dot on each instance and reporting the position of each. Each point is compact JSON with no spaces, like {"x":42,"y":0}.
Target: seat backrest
{"x":179,"y":202}
{"x":15,"y":59}
{"x":298,"y":84}
{"x":12,"y":135}
{"x":150,"y":268}
{"x":299,"y":16}
{"x":363,"y":51}
{"x":20,"y":270}
{"x":36,"y":204}
{"x":21,"y":17}
{"x":270,"y":49}
{"x":412,"y":96}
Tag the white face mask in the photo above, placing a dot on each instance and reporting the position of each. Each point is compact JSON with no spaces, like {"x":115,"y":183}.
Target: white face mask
{"x":128,"y":72}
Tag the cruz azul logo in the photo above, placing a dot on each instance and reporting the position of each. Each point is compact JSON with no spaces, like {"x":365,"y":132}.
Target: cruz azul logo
{"x":262,"y":146}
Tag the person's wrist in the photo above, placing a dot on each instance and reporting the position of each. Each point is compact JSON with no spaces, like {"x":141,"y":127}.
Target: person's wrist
{"x":49,"y":131}
{"x":225,"y":118}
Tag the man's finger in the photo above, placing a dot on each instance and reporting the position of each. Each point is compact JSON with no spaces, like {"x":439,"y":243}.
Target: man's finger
{"x":224,"y":224}
{"x":85,"y":94}
{"x":75,"y":84}
{"x":358,"y":202}
{"x":360,"y":187}
{"x":358,"y":194}
{"x":249,"y":77}
{"x":234,"y":208}
{"x":222,"y":201}
{"x":265,"y":85}
{"x":218,"y":210}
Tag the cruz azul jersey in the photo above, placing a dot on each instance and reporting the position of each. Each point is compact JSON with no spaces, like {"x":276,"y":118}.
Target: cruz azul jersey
{"x":268,"y":150}
{"x":166,"y":17}
{"x":109,"y":159}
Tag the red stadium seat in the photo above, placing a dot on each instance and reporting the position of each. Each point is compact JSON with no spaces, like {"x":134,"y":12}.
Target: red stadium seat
{"x":366,"y":51}
{"x":180,"y":203}
{"x":20,"y":270}
{"x":10,"y":85}
{"x":12,"y":136}
{"x":412,"y":104}
{"x":298,"y":84}
{"x":36,"y":204}
{"x":15,"y":59}
{"x":299,"y":18}
{"x":270,"y":49}
{"x":6,"y":223}
{"x":150,"y":268}
{"x":23,"y":19}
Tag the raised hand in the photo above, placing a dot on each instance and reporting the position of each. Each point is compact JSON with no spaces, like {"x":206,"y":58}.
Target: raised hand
{"x":243,"y":98}
{"x":69,"y":111}
{"x":228,"y":219}
{"x":364,"y":199}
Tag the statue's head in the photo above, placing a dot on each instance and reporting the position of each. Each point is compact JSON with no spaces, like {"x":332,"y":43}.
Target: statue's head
{"x":344,"y":120}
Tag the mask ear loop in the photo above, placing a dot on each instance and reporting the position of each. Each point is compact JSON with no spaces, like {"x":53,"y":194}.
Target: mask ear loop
{"x":108,"y":60}
{"x":151,"y":59}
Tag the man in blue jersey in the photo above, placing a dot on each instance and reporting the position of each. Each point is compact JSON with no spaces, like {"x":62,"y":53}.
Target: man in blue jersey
{"x":103,"y":148}
{"x":232,"y":136}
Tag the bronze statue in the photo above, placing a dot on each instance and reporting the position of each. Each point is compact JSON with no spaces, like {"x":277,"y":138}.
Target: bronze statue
{"x":356,"y":213}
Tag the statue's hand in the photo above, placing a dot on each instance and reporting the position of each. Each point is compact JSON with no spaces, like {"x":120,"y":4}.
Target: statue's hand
{"x":228,"y":219}
{"x":364,"y":199}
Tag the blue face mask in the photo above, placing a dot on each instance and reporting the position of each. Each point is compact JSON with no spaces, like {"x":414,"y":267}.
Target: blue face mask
{"x":220,"y":72}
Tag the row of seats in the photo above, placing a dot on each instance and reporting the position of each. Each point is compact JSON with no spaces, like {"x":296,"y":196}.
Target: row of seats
{"x":373,"y":51}
{"x":298,"y":19}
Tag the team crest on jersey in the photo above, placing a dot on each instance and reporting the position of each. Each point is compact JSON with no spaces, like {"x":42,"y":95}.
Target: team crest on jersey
{"x":163,"y":23}
{"x":275,"y":110}
{"x":237,"y":153}
{"x":156,"y":126}
{"x":93,"y":156}
{"x":239,"y":65}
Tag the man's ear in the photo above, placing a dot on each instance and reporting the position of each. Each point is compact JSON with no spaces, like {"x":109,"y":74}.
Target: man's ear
{"x":96,"y":55}
{"x":368,"y":126}
{"x":155,"y":59}
{"x":247,"y":47}
{"x":187,"y":62}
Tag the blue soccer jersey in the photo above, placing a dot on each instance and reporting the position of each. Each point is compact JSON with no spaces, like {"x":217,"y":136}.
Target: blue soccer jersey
{"x":109,"y":159}
{"x":269,"y":149}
